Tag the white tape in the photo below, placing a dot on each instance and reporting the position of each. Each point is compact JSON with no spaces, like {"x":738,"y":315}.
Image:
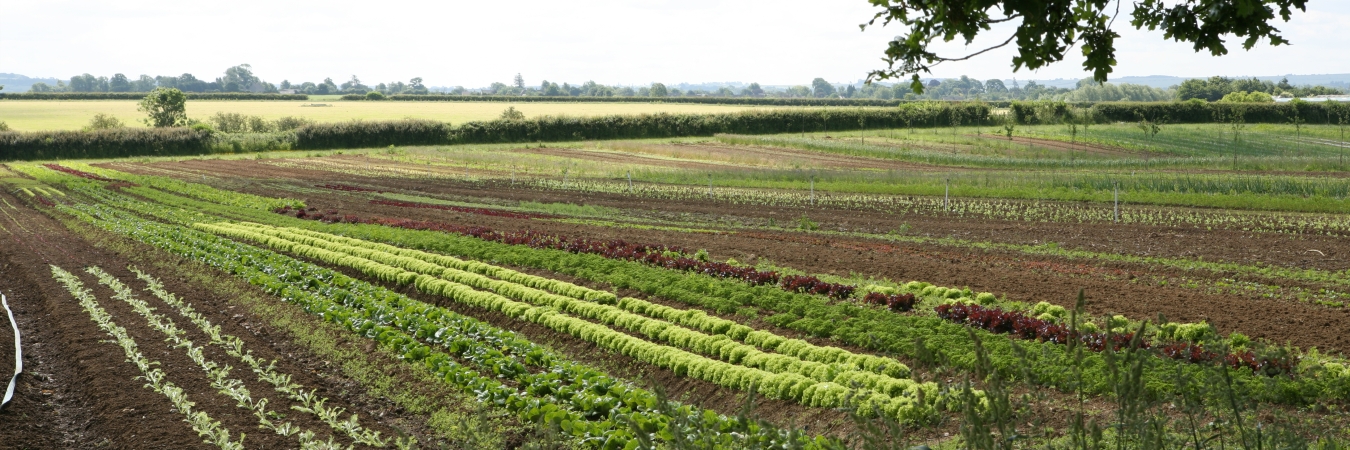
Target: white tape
{"x":18,"y":353}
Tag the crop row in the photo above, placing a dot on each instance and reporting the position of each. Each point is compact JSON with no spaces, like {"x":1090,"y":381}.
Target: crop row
{"x":415,"y":260}
{"x":965,"y":203}
{"x":218,"y":375}
{"x":203,"y":424}
{"x":583,"y":402}
{"x":479,"y":211}
{"x":1026,"y":326}
{"x":656,"y":255}
{"x":265,"y":371}
{"x":78,"y":173}
{"x":531,"y":288}
{"x":346,"y":188}
{"x":195,"y":190}
{"x":784,"y":377}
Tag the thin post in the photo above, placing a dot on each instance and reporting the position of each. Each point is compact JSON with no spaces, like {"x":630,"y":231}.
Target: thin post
{"x":1117,"y":199}
{"x":947,"y":194}
{"x":630,"y":181}
{"x":813,"y":190}
{"x":710,"y":185}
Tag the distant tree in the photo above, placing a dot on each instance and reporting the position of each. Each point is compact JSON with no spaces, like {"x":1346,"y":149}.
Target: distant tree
{"x":285,"y":84}
{"x":799,"y":91}
{"x":1247,"y":97}
{"x":103,"y":121}
{"x":166,"y":107}
{"x":659,"y":90}
{"x":415,"y":86}
{"x":753,"y":90}
{"x":39,"y":87}
{"x":354,"y":86}
{"x":83,"y":83}
{"x":675,"y":93}
{"x":119,"y":83}
{"x":821,"y":88}
{"x":625,"y":92}
{"x":725,"y":92}
{"x":519,"y":81}
{"x":143,"y":84}
{"x":995,"y":86}
{"x":849,"y":91}
{"x":239,"y":78}
{"x":511,"y":113}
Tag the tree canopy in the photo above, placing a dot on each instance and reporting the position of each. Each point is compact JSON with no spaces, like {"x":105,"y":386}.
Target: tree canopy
{"x":1047,"y":29}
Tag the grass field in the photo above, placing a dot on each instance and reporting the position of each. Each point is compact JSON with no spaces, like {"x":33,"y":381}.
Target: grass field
{"x":71,"y":115}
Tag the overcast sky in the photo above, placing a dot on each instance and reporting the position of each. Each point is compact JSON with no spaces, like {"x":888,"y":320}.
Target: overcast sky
{"x":475,"y":43}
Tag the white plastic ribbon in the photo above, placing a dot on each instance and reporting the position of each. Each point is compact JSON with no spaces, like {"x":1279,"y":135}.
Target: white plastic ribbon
{"x":18,"y":353}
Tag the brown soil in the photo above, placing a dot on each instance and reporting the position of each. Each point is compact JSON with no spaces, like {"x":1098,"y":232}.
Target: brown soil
{"x":78,"y":391}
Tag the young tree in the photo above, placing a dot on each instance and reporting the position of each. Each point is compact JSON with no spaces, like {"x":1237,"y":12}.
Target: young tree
{"x":511,"y":113}
{"x":519,"y":81}
{"x":1046,"y":30}
{"x":166,"y":107}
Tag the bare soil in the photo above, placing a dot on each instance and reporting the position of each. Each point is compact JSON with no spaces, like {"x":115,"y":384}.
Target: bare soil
{"x":79,"y":392}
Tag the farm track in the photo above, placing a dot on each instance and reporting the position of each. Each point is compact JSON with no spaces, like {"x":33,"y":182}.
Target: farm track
{"x":78,"y":392}
{"x":1019,"y":276}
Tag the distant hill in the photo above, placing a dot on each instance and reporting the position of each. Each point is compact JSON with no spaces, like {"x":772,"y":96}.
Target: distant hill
{"x":14,"y":82}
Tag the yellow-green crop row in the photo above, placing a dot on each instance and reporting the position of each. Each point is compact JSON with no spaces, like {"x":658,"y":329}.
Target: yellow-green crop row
{"x":415,"y":260}
{"x":787,"y":350}
{"x":914,"y":403}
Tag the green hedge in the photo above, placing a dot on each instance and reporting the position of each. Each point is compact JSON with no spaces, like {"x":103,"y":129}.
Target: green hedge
{"x":114,"y":143}
{"x":141,"y":95}
{"x":358,"y":134}
{"x":759,"y":101}
{"x":1202,"y":112}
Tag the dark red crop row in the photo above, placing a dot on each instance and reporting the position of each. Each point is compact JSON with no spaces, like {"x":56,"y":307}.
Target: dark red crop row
{"x":78,"y":173}
{"x":657,"y":255}
{"x":480,"y":211}
{"x":1027,"y":327}
{"x":343,"y":187}
{"x":894,"y":302}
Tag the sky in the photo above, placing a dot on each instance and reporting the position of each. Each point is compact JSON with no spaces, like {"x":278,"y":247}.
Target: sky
{"x":476,"y":43}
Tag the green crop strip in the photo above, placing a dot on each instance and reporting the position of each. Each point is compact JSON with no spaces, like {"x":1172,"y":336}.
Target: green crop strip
{"x":530,"y":288}
{"x":595,"y":410}
{"x":812,"y":384}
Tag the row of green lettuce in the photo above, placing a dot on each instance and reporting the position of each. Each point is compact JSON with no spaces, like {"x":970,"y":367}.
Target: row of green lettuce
{"x":500,"y":367}
{"x":729,"y":363}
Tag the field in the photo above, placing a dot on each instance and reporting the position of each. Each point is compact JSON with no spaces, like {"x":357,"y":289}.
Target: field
{"x":38,"y":115}
{"x":951,"y":287}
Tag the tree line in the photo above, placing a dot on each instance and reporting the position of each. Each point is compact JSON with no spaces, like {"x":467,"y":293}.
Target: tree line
{"x":1216,"y":88}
